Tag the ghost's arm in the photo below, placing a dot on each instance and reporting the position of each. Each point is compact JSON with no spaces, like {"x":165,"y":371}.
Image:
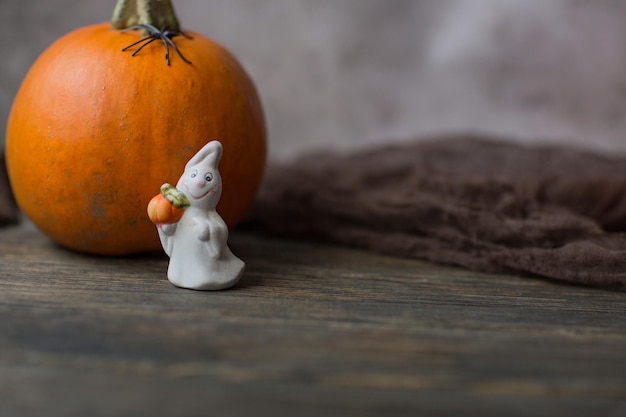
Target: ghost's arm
{"x":202,"y":230}
{"x":166,"y":234}
{"x":219,"y":235}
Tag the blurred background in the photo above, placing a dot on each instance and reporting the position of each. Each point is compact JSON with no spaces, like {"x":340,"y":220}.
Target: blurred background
{"x":351,"y":73}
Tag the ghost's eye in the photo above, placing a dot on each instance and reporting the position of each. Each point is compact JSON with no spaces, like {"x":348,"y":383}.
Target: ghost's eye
{"x":208,"y":176}
{"x":194,"y":174}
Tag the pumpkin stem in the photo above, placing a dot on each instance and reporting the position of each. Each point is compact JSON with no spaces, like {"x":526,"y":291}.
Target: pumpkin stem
{"x":176,"y":197}
{"x":157,"y":13}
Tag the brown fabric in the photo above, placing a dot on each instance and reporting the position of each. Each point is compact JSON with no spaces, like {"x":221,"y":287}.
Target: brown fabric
{"x":483,"y":204}
{"x":8,"y":209}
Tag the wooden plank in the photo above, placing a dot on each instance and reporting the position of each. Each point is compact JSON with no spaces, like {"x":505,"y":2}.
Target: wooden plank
{"x":310,"y":330}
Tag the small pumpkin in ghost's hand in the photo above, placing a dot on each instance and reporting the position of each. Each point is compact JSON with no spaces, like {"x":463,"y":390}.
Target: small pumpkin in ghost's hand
{"x":167,"y":207}
{"x":161,"y":211}
{"x":103,"y":117}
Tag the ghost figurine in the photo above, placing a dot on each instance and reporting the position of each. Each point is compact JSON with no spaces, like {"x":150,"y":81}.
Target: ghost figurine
{"x":197,"y":243}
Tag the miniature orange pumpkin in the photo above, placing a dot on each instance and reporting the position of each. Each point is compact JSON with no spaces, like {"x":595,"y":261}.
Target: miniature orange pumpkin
{"x":161,"y":211}
{"x":167,"y":207}
{"x":94,"y":131}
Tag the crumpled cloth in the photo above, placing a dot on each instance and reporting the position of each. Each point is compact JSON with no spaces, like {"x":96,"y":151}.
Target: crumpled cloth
{"x":9,"y":213}
{"x":479,"y":203}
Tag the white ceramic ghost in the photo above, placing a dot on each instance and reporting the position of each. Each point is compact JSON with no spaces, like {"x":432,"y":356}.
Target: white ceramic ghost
{"x":197,"y":245}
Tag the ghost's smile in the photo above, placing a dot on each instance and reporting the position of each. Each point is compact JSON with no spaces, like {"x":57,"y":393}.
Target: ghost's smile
{"x":197,"y":197}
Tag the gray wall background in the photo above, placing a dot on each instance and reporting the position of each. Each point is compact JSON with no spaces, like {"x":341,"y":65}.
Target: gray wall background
{"x":349,"y":73}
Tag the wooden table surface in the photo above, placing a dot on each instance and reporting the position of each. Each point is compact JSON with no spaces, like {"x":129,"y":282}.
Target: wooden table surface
{"x":311,"y":330}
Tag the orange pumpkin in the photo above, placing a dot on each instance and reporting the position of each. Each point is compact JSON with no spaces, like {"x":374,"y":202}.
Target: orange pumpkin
{"x":161,"y":211}
{"x":94,"y":131}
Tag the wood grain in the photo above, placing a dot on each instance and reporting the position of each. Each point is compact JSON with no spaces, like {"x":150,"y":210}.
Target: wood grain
{"x":311,"y":330}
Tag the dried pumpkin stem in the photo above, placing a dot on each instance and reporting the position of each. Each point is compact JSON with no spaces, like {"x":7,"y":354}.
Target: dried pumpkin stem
{"x":157,"y":13}
{"x":156,"y":19}
{"x":176,"y":197}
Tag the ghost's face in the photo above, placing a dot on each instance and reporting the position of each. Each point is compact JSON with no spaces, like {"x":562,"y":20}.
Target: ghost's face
{"x":201,"y":181}
{"x":201,"y":184}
